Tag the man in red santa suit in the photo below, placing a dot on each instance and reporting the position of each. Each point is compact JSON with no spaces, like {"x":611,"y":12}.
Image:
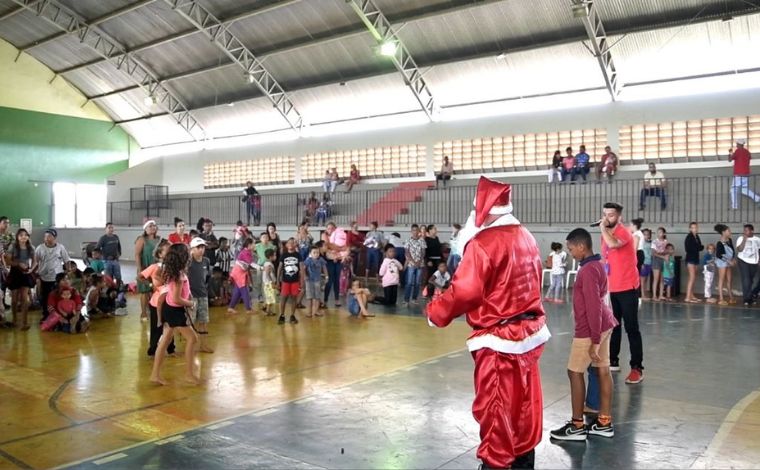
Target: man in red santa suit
{"x":498,"y":287}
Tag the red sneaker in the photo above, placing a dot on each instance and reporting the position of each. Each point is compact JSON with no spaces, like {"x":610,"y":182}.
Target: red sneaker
{"x":635,"y":377}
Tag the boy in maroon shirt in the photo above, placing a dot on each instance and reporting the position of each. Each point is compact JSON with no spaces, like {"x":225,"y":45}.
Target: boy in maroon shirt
{"x":591,"y":342}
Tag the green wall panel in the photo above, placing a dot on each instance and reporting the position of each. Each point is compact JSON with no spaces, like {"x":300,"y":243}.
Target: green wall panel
{"x":50,"y":148}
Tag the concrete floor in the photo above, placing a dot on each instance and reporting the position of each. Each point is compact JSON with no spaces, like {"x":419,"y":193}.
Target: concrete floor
{"x":388,"y":392}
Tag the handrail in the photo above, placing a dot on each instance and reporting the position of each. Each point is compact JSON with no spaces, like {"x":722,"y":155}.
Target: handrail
{"x":704,"y":199}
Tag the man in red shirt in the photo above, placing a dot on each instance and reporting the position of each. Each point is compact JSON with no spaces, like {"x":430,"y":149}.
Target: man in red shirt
{"x":741,"y":158}
{"x":619,"y":253}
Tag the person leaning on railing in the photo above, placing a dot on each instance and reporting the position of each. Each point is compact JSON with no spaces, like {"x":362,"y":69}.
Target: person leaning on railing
{"x":741,"y":158}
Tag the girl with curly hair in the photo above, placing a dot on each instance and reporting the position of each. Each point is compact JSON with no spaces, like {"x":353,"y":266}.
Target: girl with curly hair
{"x":174,"y":302}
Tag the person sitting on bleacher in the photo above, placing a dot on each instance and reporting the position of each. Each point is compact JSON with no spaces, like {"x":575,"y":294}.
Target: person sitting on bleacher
{"x":582,"y":164}
{"x":447,"y":169}
{"x":353,"y":178}
{"x":608,"y":166}
{"x":654,"y":185}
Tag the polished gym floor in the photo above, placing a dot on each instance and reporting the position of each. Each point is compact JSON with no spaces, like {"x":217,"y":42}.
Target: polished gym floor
{"x":385,"y":392}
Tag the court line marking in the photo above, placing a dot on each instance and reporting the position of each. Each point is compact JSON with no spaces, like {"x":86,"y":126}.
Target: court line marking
{"x":453,"y":356}
{"x":170,"y":439}
{"x":110,"y":458}
{"x":434,"y":361}
{"x":221,"y":425}
{"x":729,"y":422}
{"x":262,"y":412}
{"x":305,"y":400}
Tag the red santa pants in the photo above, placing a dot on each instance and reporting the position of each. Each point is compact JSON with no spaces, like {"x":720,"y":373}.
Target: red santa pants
{"x":508,"y":405}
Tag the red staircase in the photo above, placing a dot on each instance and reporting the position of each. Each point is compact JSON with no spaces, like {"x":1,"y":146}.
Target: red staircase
{"x":396,"y":202}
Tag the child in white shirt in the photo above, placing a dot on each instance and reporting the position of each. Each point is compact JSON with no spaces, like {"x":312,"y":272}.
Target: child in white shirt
{"x":439,"y":281}
{"x":556,"y":262}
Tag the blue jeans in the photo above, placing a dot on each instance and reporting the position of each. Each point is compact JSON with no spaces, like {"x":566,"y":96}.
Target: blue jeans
{"x":453,"y":263}
{"x":333,"y":270}
{"x":254,"y":211}
{"x":580,"y":170}
{"x":656,"y":192}
{"x":592,"y":391}
{"x":113,"y":269}
{"x":412,"y":287}
{"x":373,"y":260}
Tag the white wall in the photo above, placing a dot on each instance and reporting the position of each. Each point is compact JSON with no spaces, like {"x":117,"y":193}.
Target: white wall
{"x":184,"y":173}
{"x":150,"y":172}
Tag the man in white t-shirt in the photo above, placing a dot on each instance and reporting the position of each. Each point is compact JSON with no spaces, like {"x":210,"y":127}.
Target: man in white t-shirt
{"x":747,"y":248}
{"x":654,"y":185}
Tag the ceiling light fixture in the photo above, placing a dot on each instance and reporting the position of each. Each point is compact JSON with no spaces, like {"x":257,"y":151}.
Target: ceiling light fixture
{"x":388,"y":48}
{"x":249,"y":76}
{"x":502,"y":56}
{"x":149,"y":100}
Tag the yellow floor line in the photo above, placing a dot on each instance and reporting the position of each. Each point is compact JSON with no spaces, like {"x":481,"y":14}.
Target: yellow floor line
{"x":732,"y":418}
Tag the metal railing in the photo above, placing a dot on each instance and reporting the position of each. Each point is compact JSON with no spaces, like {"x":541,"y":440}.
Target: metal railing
{"x":704,"y":199}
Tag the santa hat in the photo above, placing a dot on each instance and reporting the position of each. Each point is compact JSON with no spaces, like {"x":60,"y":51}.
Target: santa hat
{"x":491,"y":198}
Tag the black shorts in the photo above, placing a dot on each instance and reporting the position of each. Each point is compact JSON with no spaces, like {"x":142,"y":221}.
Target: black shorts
{"x":173,"y":316}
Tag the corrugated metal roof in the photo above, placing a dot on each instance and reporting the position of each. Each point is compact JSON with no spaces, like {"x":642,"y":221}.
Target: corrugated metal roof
{"x":461,"y":38}
{"x":145,"y":24}
{"x":302,"y":19}
{"x":549,"y":70}
{"x":670,"y":53}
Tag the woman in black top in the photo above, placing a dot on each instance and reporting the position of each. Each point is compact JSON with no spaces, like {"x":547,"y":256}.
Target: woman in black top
{"x":693,"y":246}
{"x":433,"y":251}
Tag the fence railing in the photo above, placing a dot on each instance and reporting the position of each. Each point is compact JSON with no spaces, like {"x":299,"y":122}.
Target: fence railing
{"x":704,"y":199}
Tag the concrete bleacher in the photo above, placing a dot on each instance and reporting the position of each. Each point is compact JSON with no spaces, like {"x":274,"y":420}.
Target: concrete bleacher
{"x":695,"y":193}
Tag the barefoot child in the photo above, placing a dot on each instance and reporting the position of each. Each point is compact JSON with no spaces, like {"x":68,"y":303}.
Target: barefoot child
{"x":218,"y":295}
{"x":173,"y":315}
{"x":152,"y":274}
{"x":314,"y":266}
{"x":668,"y":272}
{"x":709,"y":272}
{"x":240,"y":278}
{"x":358,"y":297}
{"x":290,"y":275}
{"x":591,"y":342}
{"x":268,"y":282}
{"x":67,"y":309}
{"x":199,"y":272}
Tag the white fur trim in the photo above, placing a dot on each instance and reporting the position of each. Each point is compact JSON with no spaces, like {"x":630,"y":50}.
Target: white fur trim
{"x":149,"y":222}
{"x":501,"y":210}
{"x":431,"y":323}
{"x":506,"y":346}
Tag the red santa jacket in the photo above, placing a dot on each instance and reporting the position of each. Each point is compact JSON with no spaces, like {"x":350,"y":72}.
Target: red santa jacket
{"x":497,"y":281}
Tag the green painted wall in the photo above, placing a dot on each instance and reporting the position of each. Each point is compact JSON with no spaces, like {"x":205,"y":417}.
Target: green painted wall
{"x":50,"y":147}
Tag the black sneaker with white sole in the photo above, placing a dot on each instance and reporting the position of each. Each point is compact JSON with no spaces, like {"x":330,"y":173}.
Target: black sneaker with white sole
{"x":569,"y":432}
{"x":614,"y":367}
{"x":596,"y":429}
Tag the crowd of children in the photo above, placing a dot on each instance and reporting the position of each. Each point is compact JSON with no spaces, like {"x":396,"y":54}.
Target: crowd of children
{"x":657,"y":265}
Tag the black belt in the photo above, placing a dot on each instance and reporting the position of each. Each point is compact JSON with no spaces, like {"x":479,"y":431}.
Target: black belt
{"x":515,"y":319}
{"x":519,"y":318}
